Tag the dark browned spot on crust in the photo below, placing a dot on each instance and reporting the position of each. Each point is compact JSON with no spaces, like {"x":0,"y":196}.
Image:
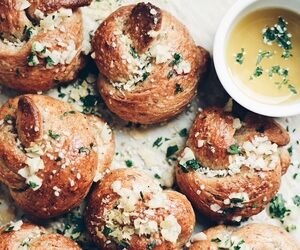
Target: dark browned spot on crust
{"x":29,"y":122}
{"x":144,"y":18}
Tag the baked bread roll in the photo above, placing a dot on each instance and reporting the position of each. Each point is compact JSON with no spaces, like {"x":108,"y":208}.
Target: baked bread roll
{"x":21,"y":235}
{"x":129,"y":210}
{"x":249,"y":237}
{"x":50,"y":154}
{"x":149,"y":64}
{"x":231,"y":169}
{"x":40,"y":43}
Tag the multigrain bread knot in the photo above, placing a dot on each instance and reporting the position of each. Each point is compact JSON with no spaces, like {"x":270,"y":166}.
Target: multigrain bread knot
{"x":40,"y":43}
{"x":21,"y":235}
{"x":50,"y":154}
{"x":250,"y":237}
{"x":128,"y":209}
{"x":149,"y":64}
{"x":231,"y":168}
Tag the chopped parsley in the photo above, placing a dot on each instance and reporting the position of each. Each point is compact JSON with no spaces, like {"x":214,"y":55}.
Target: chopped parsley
{"x":133,"y":52}
{"x":290,"y":150}
{"x":129,"y":163}
{"x":177,"y":59}
{"x":170,"y":74}
{"x":278,"y":208}
{"x":184,"y":132}
{"x":32,"y":59}
{"x":84,"y":150}
{"x":49,"y":62}
{"x":279,"y":34}
{"x":278,"y":71}
{"x":216,"y":240}
{"x":296,"y":200}
{"x":257,"y":72}
{"x":159,"y":141}
{"x":240,"y":57}
{"x":106,"y":231}
{"x":33,"y":185}
{"x":178,"y":88}
{"x":171,"y":150}
{"x":145,"y":75}
{"x":157,"y":176}
{"x":263,"y":54}
{"x":53,"y":135}
{"x":191,"y":164}
{"x":151,"y":245}
{"x":9,"y":229}
{"x":234,"y":149}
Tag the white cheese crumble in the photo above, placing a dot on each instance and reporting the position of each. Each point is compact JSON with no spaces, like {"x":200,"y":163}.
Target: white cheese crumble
{"x":186,"y":156}
{"x":34,"y":163}
{"x":198,"y":237}
{"x":170,"y":229}
{"x":119,"y":219}
{"x":161,"y":53}
{"x":184,"y":67}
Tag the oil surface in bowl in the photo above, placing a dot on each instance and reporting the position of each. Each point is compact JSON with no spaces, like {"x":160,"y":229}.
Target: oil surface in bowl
{"x":263,"y":55}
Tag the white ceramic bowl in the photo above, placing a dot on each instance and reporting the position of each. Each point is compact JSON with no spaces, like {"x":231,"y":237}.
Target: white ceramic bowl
{"x":239,"y":10}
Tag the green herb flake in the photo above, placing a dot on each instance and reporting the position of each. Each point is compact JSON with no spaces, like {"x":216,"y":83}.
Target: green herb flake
{"x":258,"y":72}
{"x":296,"y":200}
{"x":263,"y":54}
{"x":240,"y":57}
{"x":84,"y":150}
{"x":278,"y":207}
{"x":290,"y":150}
{"x":183,"y":132}
{"x":216,"y":240}
{"x":53,"y":135}
{"x":157,"y":176}
{"x":49,"y":61}
{"x":234,"y":149}
{"x":106,"y":231}
{"x":32,"y":59}
{"x":129,"y":163}
{"x":133,"y":52}
{"x":158,"y":142}
{"x":33,"y":185}
{"x":151,"y":245}
{"x":171,"y":150}
{"x":170,"y":74}
{"x":178,"y":88}
{"x":177,"y":59}
{"x":279,"y":34}
{"x":145,"y":75}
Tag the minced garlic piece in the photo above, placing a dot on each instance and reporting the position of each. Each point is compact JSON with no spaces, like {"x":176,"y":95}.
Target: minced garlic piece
{"x":34,"y":163}
{"x":161,"y":53}
{"x":170,"y":229}
{"x":184,"y":67}
{"x":186,"y":156}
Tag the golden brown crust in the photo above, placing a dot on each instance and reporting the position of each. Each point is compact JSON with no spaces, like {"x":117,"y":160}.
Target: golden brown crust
{"x":124,"y":41}
{"x":16,"y":50}
{"x":256,"y":237}
{"x":72,"y":149}
{"x":35,"y":238}
{"x":103,"y":198}
{"x":215,"y":195}
{"x":47,"y":6}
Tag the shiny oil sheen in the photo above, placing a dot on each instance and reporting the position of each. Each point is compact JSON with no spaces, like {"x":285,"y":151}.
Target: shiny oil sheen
{"x":248,"y":34}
